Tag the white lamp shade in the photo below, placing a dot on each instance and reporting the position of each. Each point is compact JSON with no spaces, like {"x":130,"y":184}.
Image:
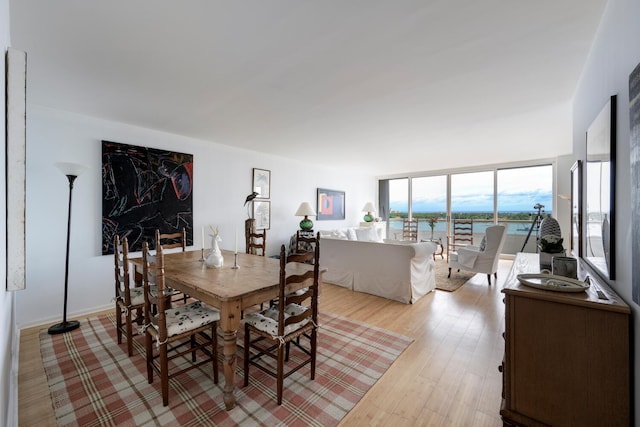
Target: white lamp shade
{"x":74,"y":169}
{"x":369,"y":207}
{"x":305,"y":209}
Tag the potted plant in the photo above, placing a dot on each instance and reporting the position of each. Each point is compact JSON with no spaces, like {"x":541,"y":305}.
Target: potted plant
{"x":550,"y":245}
{"x":432,"y":223}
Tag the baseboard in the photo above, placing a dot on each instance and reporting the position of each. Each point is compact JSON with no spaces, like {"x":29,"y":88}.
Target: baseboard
{"x":74,"y":315}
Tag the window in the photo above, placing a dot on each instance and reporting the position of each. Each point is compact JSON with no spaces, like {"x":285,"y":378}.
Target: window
{"x":520,"y":190}
{"x":503,"y":195}
{"x":429,"y":206}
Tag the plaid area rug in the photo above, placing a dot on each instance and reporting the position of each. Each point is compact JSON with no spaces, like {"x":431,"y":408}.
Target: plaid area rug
{"x":93,"y":382}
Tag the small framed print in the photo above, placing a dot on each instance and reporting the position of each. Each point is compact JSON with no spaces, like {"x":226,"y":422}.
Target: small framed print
{"x":262,"y":214}
{"x":262,"y":183}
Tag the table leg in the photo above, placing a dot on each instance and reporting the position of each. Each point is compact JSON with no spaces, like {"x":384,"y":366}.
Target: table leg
{"x":229,"y":323}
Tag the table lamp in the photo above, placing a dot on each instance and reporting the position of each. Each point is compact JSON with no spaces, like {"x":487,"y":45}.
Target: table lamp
{"x":368,"y":208}
{"x":306,"y":210}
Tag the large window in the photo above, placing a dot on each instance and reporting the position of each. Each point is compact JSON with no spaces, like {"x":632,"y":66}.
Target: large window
{"x":429,"y":205}
{"x":503,"y":195}
{"x":398,"y":206}
{"x":522,"y":193}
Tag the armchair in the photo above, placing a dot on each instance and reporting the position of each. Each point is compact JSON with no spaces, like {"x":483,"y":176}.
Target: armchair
{"x":483,"y":258}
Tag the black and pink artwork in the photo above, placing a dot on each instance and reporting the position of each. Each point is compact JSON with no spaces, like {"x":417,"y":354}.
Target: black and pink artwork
{"x":144,"y":189}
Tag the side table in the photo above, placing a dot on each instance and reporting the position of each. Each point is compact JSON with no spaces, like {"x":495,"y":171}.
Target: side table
{"x":438,"y":242}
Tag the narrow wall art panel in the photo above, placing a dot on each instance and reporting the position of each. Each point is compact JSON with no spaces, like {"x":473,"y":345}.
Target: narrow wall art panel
{"x":16,"y":140}
{"x":144,"y":189}
{"x":634,"y":124}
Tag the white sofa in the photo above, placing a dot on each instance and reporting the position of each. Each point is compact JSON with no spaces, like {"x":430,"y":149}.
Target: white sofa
{"x":402,"y":272}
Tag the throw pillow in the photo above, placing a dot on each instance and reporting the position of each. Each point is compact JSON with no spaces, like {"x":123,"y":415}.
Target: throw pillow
{"x":367,"y":234}
{"x":483,"y":243}
{"x":351,"y":234}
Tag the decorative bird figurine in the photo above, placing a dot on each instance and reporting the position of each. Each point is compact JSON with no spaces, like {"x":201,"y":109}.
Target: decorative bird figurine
{"x":250,"y":197}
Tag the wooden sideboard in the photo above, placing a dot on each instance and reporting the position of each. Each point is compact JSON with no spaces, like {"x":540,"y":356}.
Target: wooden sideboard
{"x":567,"y":355}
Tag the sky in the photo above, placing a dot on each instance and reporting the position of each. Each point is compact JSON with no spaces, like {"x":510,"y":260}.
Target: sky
{"x":519,"y":189}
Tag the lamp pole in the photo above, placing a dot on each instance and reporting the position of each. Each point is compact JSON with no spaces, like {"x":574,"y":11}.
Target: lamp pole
{"x":66,"y":326}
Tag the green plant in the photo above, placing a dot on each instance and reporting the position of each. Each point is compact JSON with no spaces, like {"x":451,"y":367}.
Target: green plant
{"x":432,"y":222}
{"x":551,"y":244}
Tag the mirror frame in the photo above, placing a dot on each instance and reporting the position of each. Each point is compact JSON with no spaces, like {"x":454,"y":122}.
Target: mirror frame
{"x":599,"y":193}
{"x":576,"y":209}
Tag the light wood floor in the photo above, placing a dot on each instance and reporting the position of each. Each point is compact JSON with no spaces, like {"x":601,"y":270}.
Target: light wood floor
{"x":447,"y":377}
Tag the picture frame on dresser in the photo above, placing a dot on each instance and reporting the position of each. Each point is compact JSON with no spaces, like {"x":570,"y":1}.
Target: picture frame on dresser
{"x":598,"y":232}
{"x":576,"y":209}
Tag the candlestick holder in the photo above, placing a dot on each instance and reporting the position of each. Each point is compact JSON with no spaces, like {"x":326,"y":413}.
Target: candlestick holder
{"x":235,"y":261}
{"x":201,"y":255}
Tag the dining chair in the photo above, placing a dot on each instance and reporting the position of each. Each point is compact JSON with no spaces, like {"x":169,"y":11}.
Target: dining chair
{"x":171,"y":241}
{"x":275,"y":329}
{"x":173,"y":333}
{"x":305,"y":241}
{"x":410,"y":229}
{"x":254,"y":242}
{"x":128,"y":299}
{"x":174,"y":240}
{"x":462,"y":235}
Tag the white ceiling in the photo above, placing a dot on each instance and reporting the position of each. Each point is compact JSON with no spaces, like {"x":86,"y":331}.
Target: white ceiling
{"x":387,"y":86}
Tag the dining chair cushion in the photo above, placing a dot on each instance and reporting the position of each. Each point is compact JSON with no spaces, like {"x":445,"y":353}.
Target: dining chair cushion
{"x":267,"y":320}
{"x":190,"y":316}
{"x":137,"y":293}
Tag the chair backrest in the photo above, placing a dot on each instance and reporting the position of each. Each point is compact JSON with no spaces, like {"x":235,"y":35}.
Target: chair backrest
{"x":153,"y":274}
{"x":254,"y":242}
{"x":305,"y":242}
{"x":410,"y":229}
{"x":121,"y":262}
{"x":462,"y":232}
{"x":310,"y":292}
{"x":173,"y":240}
{"x":495,"y":237}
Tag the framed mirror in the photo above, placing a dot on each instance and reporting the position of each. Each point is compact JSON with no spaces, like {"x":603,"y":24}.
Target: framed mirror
{"x":599,"y":217}
{"x":576,"y":209}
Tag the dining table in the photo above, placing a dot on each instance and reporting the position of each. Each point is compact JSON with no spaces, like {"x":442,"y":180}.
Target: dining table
{"x":230,"y":290}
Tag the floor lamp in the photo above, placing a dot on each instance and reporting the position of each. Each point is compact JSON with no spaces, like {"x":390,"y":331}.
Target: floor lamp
{"x":71,"y":170}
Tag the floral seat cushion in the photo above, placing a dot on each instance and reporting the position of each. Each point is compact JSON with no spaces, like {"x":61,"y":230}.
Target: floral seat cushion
{"x":190,"y":316}
{"x":267,"y":320}
{"x":137,"y":293}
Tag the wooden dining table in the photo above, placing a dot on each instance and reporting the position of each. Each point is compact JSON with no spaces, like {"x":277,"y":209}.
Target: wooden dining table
{"x":227,"y":289}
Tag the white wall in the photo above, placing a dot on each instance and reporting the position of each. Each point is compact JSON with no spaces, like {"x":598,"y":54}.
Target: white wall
{"x":222,"y":180}
{"x":615,"y":53}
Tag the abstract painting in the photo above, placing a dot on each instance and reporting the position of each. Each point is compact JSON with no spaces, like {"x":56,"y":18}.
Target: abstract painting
{"x":330,"y":204}
{"x":144,"y":189}
{"x":634,"y":124}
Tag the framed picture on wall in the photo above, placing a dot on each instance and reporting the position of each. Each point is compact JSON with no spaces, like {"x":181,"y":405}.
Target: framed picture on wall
{"x":262,"y":183}
{"x":576,"y":209}
{"x":330,"y":204}
{"x":262,"y":214}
